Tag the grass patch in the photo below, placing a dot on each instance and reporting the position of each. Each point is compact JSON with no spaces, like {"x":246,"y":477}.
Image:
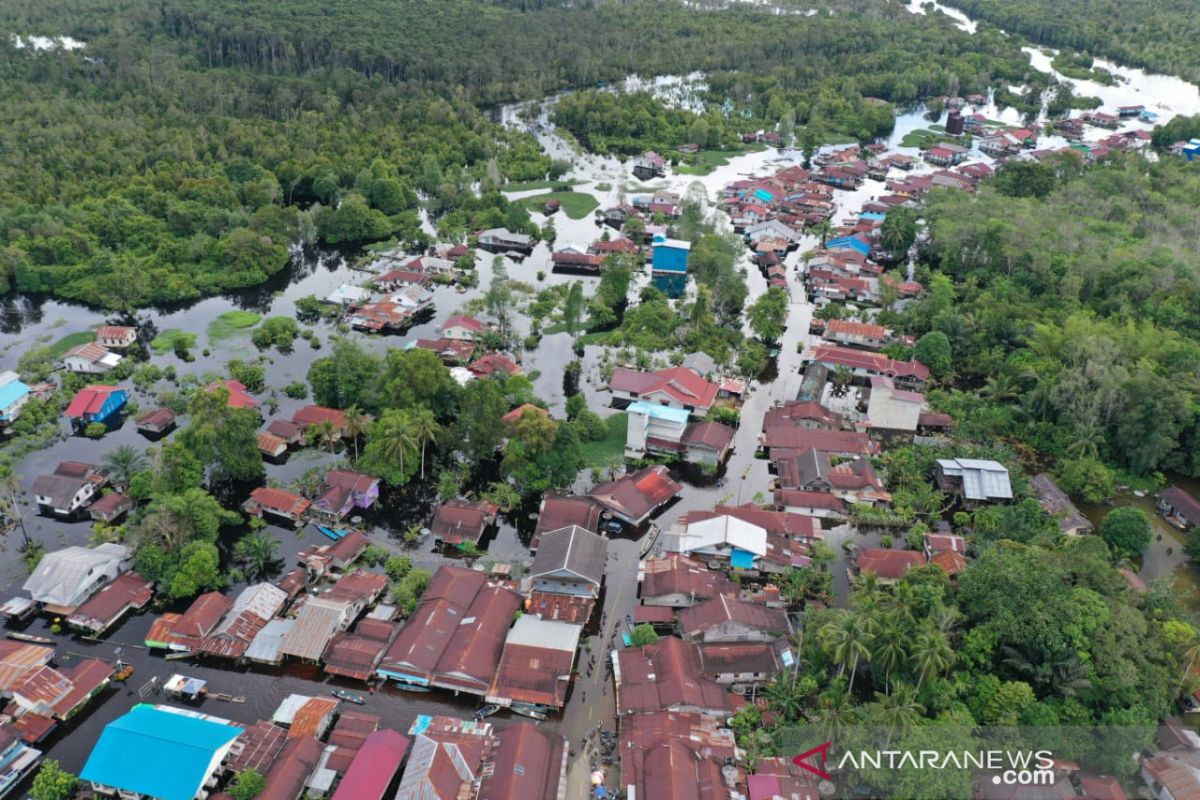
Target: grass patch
{"x":610,"y":449}
{"x":526,"y":186}
{"x":575,"y":205}
{"x":60,"y":348}
{"x":706,"y":161}
{"x":925,"y":139}
{"x":603,"y":186}
{"x":231,"y":323}
{"x":165,"y":341}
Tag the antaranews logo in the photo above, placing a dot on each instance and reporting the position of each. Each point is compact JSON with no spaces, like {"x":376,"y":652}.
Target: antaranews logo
{"x":1009,"y":767}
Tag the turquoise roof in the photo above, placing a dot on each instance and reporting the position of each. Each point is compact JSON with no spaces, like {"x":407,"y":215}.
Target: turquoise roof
{"x":659,"y":411}
{"x":11,"y":393}
{"x":157,"y":753}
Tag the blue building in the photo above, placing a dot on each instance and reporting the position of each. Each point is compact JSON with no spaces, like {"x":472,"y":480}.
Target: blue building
{"x":13,"y":395}
{"x":1191,"y":150}
{"x":669,"y":265}
{"x":851,"y":242}
{"x":96,"y":403}
{"x":158,"y":752}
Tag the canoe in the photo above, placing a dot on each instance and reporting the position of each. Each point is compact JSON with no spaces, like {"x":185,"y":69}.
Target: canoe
{"x":27,"y":637}
{"x":330,"y":532}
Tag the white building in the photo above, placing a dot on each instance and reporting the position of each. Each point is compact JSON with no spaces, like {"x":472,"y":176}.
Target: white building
{"x":65,"y":578}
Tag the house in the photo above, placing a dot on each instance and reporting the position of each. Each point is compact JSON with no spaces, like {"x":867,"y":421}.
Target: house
{"x":906,"y":374}
{"x":1180,"y":508}
{"x":13,"y":396}
{"x":459,"y":520}
{"x":286,"y":430}
{"x":278,"y":503}
{"x":634,"y":497}
{"x":783,"y":441}
{"x":69,"y":489}
{"x":494,"y":363}
{"x":527,"y":763}
{"x":455,"y":637}
{"x":374,"y":767}
{"x":128,"y":592}
{"x":678,"y":387}
{"x":1171,"y":776}
{"x":725,"y":619}
{"x":159,"y":752}
{"x":319,"y":619}
{"x":974,"y":480}
{"x":649,"y":165}
{"x":305,"y":716}
{"x":462,"y":328}
{"x":155,"y":423}
{"x":270,"y":445}
{"x":892,"y":412}
{"x":707,"y":443}
{"x":944,"y":543}
{"x":559,"y":510}
{"x":356,"y":655}
{"x":569,"y":561}
{"x":90,"y":359}
{"x":536,"y":664}
{"x":803,"y":414}
{"x":19,"y":660}
{"x":383,"y":315}
{"x":517,"y":414}
{"x":238,"y":396}
{"x":776,"y":523}
{"x":745,"y":666}
{"x":324,"y":558}
{"x":655,"y":428}
{"x":65,"y":578}
{"x":945,"y":155}
{"x":348,"y":295}
{"x":185,"y":632}
{"x":888,"y":565}
{"x":576,"y":260}
{"x":501,"y":240}
{"x":250,"y":612}
{"x":344,"y":491}
{"x":116,"y":337}
{"x":668,"y":675}
{"x":447,"y":760}
{"x":677,"y":581}
{"x":676,"y":754}
{"x":852,"y":333}
{"x":812,"y":470}
{"x":47,"y":695}
{"x":1054,"y":501}
{"x":724,"y":537}
{"x":450,"y":351}
{"x":295,"y":766}
{"x":95,"y":403}
{"x":811,"y":504}
{"x":779,"y":777}
{"x":308,"y":416}
{"x":18,"y":759}
{"x":669,"y":265}
{"x":109,"y":508}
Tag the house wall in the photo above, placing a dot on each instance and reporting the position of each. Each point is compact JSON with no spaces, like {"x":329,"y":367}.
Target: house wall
{"x":730,"y":631}
{"x":563,"y":585}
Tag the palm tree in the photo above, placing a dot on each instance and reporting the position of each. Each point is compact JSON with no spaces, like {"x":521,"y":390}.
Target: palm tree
{"x":841,"y":378}
{"x":889,"y":653}
{"x":393,"y":436}
{"x":1001,"y":388}
{"x":823,"y":229}
{"x":324,"y":433}
{"x":836,"y":713}
{"x":355,"y":424}
{"x":257,"y":551}
{"x":123,"y":463}
{"x":848,"y":640}
{"x":930,"y":655}
{"x":425,"y":430}
{"x":1089,"y":436}
{"x":899,"y":710}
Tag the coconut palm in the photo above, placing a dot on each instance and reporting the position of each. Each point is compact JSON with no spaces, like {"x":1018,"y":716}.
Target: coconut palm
{"x":393,"y":438}
{"x":425,"y":430}
{"x":899,"y":710}
{"x":256,"y":551}
{"x":823,"y":229}
{"x":888,"y":653}
{"x":123,"y":463}
{"x":930,"y":656}
{"x":841,"y":378}
{"x":325,"y":434}
{"x":848,"y":640}
{"x":355,"y":423}
{"x":784,"y":698}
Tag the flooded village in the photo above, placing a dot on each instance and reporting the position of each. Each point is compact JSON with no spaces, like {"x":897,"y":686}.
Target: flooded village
{"x":595,"y":639}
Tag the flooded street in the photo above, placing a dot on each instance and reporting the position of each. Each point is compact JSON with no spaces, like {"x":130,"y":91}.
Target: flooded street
{"x":27,"y":322}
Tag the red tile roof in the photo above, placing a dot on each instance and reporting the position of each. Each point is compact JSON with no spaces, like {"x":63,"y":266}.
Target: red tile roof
{"x":202,"y":615}
{"x":889,"y":564}
{"x":852,"y":327}
{"x":787,"y":437}
{"x":314,"y":415}
{"x":373,"y":767}
{"x":528,"y":763}
{"x":273,"y":499}
{"x":675,"y":574}
{"x":560,"y":510}
{"x":712,"y":435}
{"x":679,"y":383}
{"x":698,"y":620}
{"x":463,"y":321}
{"x":238,"y":396}
{"x":877,"y":363}
{"x":634,"y":497}
{"x":817,"y":500}
{"x":128,"y":590}
{"x":459,"y":520}
{"x":668,"y":675}
{"x":89,"y":400}
{"x":512,"y":416}
{"x":311,"y":716}
{"x":494,"y":362}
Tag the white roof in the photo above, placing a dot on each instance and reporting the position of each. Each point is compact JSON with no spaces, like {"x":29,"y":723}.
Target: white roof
{"x":266,"y":643}
{"x":678,"y":244}
{"x":533,"y":631}
{"x":263,"y":600}
{"x":895,"y":410}
{"x":724,"y":530}
{"x":982,"y":479}
{"x":462,"y":376}
{"x":348,"y":294}
{"x":288,"y":708}
{"x":61,"y":575}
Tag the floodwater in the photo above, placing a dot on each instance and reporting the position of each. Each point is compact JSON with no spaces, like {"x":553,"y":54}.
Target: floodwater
{"x":32,"y":321}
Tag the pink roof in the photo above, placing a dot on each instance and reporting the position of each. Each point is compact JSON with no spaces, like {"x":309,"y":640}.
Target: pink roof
{"x":462,"y":321}
{"x":238,"y":396}
{"x":679,"y":383}
{"x":872,"y":362}
{"x":373,"y":767}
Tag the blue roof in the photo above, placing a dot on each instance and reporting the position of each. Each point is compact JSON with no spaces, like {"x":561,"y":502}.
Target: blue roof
{"x":852,"y":242}
{"x":661,"y":412}
{"x":156,"y":752}
{"x":871,"y":215}
{"x":764,"y":195}
{"x":11,"y":393}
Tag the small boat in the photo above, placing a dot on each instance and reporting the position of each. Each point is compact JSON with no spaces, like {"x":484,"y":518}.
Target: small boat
{"x":179,"y":656}
{"x":123,"y":671}
{"x":228,"y":698}
{"x":410,"y":687}
{"x":527,"y":710}
{"x":349,"y":697}
{"x":330,"y":532}
{"x":486,"y":711}
{"x":28,"y":637}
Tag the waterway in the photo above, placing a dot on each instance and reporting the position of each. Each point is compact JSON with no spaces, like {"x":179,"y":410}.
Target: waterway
{"x":32,"y":321}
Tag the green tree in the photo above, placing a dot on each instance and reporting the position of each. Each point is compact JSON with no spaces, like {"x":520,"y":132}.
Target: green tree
{"x":899,"y":231}
{"x":477,"y":428}
{"x":123,"y":463}
{"x":248,"y":785}
{"x":425,"y":431}
{"x":348,"y":377}
{"x":573,"y":307}
{"x":355,"y":423}
{"x":199,"y":571}
{"x":1127,"y":530}
{"x":256,"y":552}
{"x":643,"y":635}
{"x":52,"y":782}
{"x":391,"y":451}
{"x":768,"y":314}
{"x":223,"y":439}
{"x":933,"y":350}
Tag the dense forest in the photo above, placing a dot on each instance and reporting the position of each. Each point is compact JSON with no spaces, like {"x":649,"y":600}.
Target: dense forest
{"x":1163,"y":36}
{"x":189,"y":145}
{"x":1071,"y":301}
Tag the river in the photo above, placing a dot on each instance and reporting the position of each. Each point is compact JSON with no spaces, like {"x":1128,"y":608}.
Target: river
{"x":29,"y":321}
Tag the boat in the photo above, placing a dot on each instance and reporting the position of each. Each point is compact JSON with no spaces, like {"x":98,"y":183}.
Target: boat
{"x":648,"y":541}
{"x":179,"y":656}
{"x":330,"y":532}
{"x":28,"y":637}
{"x":411,"y":687}
{"x":123,"y":671}
{"x":349,"y":697}
{"x":228,"y":698}
{"x":486,"y":711}
{"x":528,"y":710}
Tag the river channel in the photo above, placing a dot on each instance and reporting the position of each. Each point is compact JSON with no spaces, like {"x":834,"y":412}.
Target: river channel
{"x":27,"y":322}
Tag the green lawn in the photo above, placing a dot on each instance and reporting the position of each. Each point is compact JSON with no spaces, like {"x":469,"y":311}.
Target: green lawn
{"x":610,"y":449}
{"x":925,"y":139}
{"x":59,"y":348}
{"x":525,"y":186}
{"x":575,"y":205}
{"x":165,"y":341}
{"x":232,"y":323}
{"x":706,"y":161}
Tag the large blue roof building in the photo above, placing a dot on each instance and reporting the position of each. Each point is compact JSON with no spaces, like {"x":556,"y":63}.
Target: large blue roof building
{"x":157,"y":752}
{"x":669,"y":265}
